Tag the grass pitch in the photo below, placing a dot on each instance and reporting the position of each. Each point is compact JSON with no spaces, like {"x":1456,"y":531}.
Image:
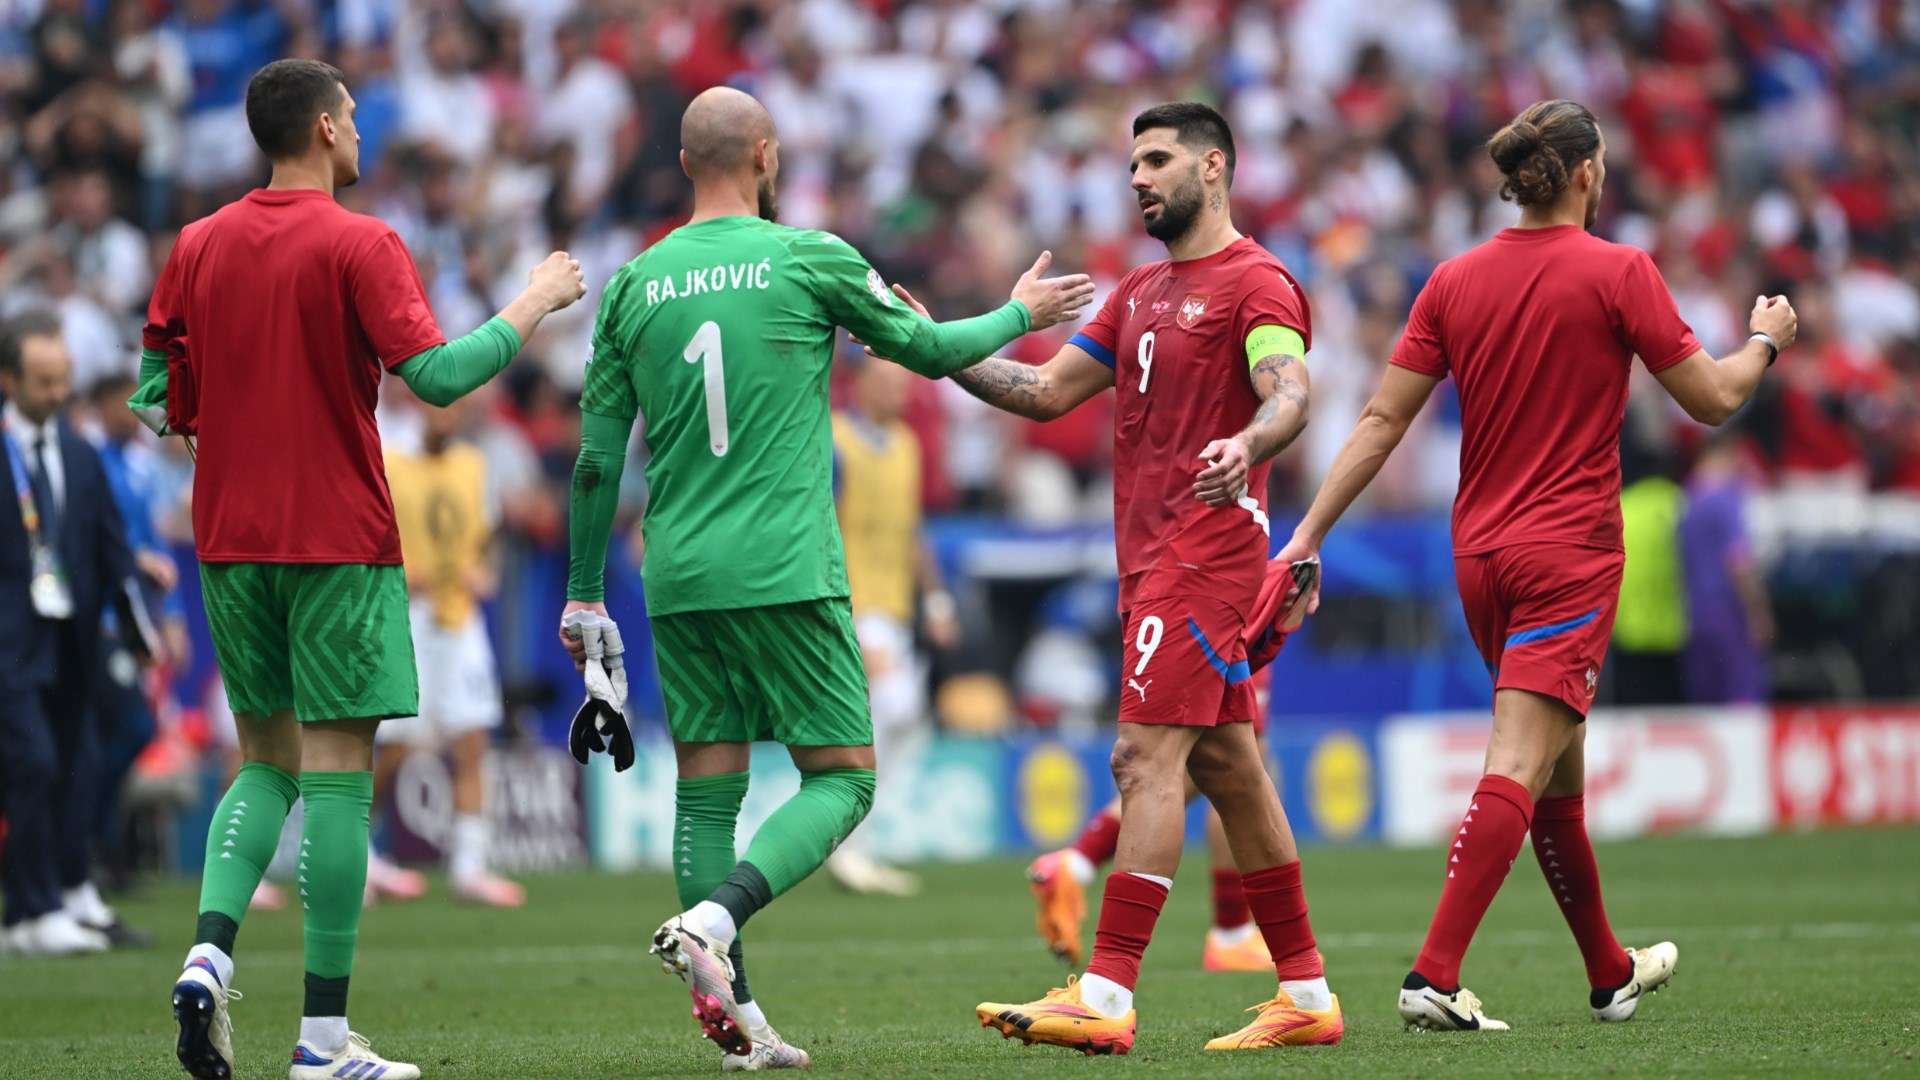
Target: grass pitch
{"x":1799,"y":955}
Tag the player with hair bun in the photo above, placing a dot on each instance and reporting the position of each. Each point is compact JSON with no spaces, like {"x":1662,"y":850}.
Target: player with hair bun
{"x":1538,"y":328}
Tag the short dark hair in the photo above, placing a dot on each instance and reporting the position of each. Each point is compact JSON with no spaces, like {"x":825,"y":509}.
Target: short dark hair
{"x":14,"y":333}
{"x":1537,"y":152}
{"x":284,"y":98}
{"x":111,"y":387}
{"x":1194,"y":124}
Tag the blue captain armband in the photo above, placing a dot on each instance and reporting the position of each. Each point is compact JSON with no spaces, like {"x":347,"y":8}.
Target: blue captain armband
{"x":1092,"y":348}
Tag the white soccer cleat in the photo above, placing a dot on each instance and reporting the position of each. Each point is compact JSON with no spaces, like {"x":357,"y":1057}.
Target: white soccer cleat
{"x":859,"y":872}
{"x":56,"y":933}
{"x":205,"y":1045}
{"x":354,"y":1061}
{"x":709,"y":978}
{"x":1429,"y":1009}
{"x":1652,"y":967}
{"x":770,"y":1051}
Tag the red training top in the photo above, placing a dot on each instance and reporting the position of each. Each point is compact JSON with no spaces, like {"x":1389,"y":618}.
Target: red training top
{"x":286,"y":305}
{"x":1538,"y":328}
{"x":1175,"y":335}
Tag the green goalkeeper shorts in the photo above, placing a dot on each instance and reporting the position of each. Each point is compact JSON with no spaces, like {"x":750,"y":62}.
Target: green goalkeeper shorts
{"x":786,"y":673}
{"x":328,"y":641}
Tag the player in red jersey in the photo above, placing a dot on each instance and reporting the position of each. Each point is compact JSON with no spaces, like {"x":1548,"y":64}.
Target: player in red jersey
{"x":1206,"y":352}
{"x":1538,"y":327}
{"x":267,"y":336}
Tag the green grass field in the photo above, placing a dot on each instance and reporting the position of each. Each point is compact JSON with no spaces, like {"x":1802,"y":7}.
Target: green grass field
{"x":1800,"y":955}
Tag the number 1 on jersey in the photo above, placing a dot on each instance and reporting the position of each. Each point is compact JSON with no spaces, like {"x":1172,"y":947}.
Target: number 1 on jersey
{"x":705,"y":349}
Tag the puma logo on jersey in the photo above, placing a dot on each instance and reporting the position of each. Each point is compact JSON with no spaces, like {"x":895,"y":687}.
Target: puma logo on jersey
{"x":1194,"y":306}
{"x":1132,"y":302}
{"x":1140,"y":689}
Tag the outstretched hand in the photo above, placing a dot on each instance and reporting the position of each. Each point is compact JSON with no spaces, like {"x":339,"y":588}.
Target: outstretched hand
{"x":1051,"y":300}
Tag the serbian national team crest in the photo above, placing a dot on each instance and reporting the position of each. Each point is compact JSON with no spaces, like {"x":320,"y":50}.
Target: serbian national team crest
{"x":1194,"y":306}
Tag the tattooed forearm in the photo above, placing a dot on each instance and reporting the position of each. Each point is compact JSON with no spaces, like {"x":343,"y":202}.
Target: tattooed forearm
{"x":1007,"y":384}
{"x":1281,"y":382}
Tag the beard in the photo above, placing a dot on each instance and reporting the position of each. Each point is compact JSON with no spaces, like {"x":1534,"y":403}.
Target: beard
{"x":1593,"y":209}
{"x":769,"y":203}
{"x":1178,"y":211}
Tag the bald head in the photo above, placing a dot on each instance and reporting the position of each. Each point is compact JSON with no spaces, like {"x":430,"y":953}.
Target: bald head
{"x":720,"y":131}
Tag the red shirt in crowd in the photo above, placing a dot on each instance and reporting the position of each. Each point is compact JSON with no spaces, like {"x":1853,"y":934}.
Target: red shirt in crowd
{"x":1175,"y":335}
{"x":1538,"y":328}
{"x":286,"y":305}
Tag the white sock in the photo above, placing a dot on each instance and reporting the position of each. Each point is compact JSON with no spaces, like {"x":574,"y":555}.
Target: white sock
{"x":715,"y":923}
{"x":1163,"y":882}
{"x":1233,"y":935}
{"x":214,"y":954}
{"x":1309,"y":994}
{"x":1078,"y":865}
{"x":467,"y":851}
{"x":757,"y":1027}
{"x":327,"y":1033}
{"x":1104,"y":996}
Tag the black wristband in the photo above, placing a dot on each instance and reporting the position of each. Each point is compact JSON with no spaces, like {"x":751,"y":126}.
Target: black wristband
{"x":1773,"y":351}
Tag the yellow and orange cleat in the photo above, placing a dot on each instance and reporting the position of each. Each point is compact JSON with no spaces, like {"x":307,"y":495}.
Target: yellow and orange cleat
{"x":1062,"y":904}
{"x":1060,"y":1019}
{"x":1280,"y":1023}
{"x":1248,"y":954}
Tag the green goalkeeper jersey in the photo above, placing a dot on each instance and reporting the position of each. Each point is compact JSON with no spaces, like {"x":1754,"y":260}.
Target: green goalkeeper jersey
{"x":721,"y":337}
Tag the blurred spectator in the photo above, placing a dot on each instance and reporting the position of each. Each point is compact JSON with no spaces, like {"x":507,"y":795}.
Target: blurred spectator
{"x":63,"y":561}
{"x":1729,"y":618}
{"x":1650,"y":629}
{"x":225,"y":43}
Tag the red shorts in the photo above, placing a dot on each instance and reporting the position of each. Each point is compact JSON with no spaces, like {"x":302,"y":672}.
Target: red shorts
{"x":1541,"y":615}
{"x":1184,"y":663}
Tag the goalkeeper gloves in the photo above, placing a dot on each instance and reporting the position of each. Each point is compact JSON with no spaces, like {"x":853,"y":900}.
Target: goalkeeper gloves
{"x":600,"y":725}
{"x":149,"y":403}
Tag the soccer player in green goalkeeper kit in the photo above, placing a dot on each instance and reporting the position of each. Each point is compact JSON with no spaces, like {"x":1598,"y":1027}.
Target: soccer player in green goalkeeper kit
{"x":721,"y":336}
{"x":266,"y":338}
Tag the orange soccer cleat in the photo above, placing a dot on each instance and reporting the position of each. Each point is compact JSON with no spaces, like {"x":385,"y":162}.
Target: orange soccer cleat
{"x":1060,"y":1019}
{"x":1247,"y":954}
{"x":1062,"y":904}
{"x":1280,"y":1023}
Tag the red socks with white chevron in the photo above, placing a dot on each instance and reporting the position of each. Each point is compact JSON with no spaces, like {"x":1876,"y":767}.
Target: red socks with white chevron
{"x":1566,"y":859}
{"x":1482,"y":852}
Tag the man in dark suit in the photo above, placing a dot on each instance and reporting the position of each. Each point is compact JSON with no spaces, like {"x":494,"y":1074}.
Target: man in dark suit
{"x":63,"y":558}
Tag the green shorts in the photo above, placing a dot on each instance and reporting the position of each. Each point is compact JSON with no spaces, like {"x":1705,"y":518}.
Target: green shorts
{"x":328,"y":641}
{"x":786,"y":673}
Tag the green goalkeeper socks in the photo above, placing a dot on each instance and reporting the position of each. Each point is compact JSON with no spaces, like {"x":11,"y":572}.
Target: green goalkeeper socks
{"x":240,"y":844}
{"x":705,"y":810}
{"x":333,"y":879}
{"x":796,"y":839}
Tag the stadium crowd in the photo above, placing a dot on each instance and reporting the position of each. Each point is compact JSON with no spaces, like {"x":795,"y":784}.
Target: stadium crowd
{"x":1754,"y":147}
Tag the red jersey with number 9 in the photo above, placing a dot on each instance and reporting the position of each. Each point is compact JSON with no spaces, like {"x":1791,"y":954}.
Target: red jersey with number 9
{"x":1175,"y":334}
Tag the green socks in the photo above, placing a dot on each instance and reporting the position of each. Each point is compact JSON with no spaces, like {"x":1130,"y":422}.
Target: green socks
{"x":705,"y":810}
{"x":333,"y":879}
{"x":240,"y":844}
{"x":796,"y":839}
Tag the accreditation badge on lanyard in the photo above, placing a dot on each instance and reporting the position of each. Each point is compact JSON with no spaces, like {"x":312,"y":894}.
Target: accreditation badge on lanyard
{"x":51,"y":597}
